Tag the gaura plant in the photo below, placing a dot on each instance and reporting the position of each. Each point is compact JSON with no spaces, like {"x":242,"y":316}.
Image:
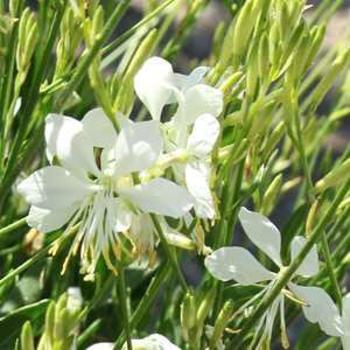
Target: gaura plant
{"x":126,"y":167}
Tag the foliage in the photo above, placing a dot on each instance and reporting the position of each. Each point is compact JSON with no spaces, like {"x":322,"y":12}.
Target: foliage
{"x":272,"y":153}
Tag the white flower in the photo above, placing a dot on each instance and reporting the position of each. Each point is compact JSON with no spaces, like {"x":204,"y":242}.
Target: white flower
{"x":101,"y":346}
{"x":75,"y":299}
{"x":156,"y":85}
{"x":193,"y":130}
{"x":199,"y":146}
{"x":152,"y":342}
{"x":94,"y":181}
{"x":321,"y":309}
{"x":237,"y":263}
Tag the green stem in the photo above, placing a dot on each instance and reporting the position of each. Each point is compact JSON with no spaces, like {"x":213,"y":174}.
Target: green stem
{"x":12,"y":227}
{"x":123,"y":37}
{"x":89,"y":332}
{"x":146,"y":302}
{"x":37,"y":257}
{"x":311,"y":197}
{"x":26,"y":265}
{"x":287,"y":273}
{"x":330,"y":268}
{"x":170,"y":253}
{"x":124,"y":306}
{"x":93,"y":51}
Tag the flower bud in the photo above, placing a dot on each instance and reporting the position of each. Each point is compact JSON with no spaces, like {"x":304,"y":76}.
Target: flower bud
{"x":27,"y":38}
{"x":317,"y":36}
{"x":329,"y":78}
{"x":27,"y":340}
{"x":275,"y":50}
{"x":293,"y":44}
{"x":15,"y":7}
{"x":228,"y":83}
{"x":206,"y":305}
{"x":312,"y":217}
{"x":188,"y":315}
{"x":226,"y":46}
{"x":271,"y":195}
{"x":252,"y":73}
{"x":273,"y":139}
{"x":336,"y":176}
{"x":222,"y":320}
{"x":219,"y":37}
{"x":178,"y":239}
{"x":264,"y":62}
{"x":97,"y":23}
{"x":245,"y":22}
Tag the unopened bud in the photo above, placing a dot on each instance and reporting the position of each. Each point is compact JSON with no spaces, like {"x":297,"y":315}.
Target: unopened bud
{"x":206,"y":305}
{"x":27,"y":340}
{"x":97,"y":23}
{"x":312,"y":216}
{"x":274,"y":139}
{"x":338,"y":175}
{"x":222,"y":320}
{"x":317,"y":35}
{"x":178,"y":239}
{"x":271,"y":195}
{"x":231,"y":81}
{"x":328,"y":80}
{"x":245,"y":22}
{"x":188,"y":315}
{"x":263,"y":55}
{"x":252,"y":73}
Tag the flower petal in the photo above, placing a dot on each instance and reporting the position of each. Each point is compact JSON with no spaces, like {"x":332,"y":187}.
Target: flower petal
{"x":197,"y":175}
{"x":142,"y":233}
{"x":53,"y":187}
{"x":120,"y":214}
{"x":161,"y":197}
{"x":101,"y":346}
{"x":154,"y":84}
{"x":138,"y":147}
{"x":65,"y":139}
{"x":47,"y":220}
{"x":262,"y":232}
{"x":310,"y":264}
{"x":320,"y":308}
{"x":205,"y":133}
{"x":237,"y":263}
{"x":184,"y":82}
{"x":152,"y":342}
{"x":346,"y":322}
{"x":197,"y":100}
{"x":99,"y":128}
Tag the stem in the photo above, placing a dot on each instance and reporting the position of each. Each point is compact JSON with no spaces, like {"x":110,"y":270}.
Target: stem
{"x":14,"y":226}
{"x":146,"y":302}
{"x":124,"y":306}
{"x":330,"y":268}
{"x":37,"y":257}
{"x":170,"y":253}
{"x":123,"y":37}
{"x":287,"y":273}
{"x":100,"y":39}
{"x":89,"y":332}
{"x":26,"y":265}
{"x":311,"y":198}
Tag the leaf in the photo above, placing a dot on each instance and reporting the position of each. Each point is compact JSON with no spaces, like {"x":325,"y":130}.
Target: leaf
{"x":11,"y":324}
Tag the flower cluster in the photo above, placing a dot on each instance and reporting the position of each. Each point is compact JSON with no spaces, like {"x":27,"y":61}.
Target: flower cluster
{"x":118,"y":178}
{"x":111,"y":181}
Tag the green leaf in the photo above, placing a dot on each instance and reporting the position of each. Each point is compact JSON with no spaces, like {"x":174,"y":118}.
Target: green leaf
{"x":11,"y":324}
